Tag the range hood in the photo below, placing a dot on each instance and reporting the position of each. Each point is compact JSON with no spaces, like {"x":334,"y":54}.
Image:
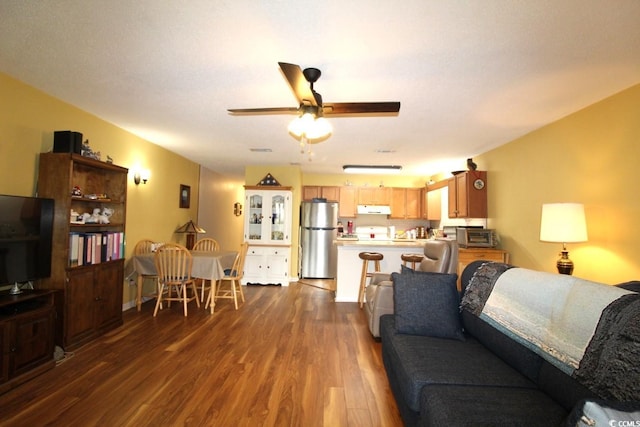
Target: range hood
{"x":374,"y":210}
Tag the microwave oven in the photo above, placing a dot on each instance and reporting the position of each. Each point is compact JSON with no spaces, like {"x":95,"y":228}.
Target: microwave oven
{"x":476,"y":238}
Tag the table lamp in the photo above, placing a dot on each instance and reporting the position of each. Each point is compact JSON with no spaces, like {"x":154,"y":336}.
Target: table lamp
{"x":190,"y":228}
{"x":563,"y":223}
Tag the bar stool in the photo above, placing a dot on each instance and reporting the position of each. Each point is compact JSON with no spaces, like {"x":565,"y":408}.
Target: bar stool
{"x":366,"y":257}
{"x":412,"y":258}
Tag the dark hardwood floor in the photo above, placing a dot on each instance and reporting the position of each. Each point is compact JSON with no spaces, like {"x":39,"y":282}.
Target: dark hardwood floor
{"x":289,"y":356}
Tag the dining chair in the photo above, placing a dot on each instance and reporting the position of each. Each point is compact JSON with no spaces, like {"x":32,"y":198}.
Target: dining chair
{"x":208,"y":245}
{"x":232,"y":278}
{"x":205,"y":245}
{"x":173,"y":263}
{"x":145,"y":246}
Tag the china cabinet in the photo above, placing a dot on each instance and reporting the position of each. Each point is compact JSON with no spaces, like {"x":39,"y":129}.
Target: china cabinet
{"x":267,"y":229}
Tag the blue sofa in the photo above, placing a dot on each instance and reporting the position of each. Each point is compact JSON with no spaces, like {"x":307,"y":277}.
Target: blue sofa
{"x":518,"y":347}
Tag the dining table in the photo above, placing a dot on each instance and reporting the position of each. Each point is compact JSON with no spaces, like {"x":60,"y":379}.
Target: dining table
{"x":206,"y":265}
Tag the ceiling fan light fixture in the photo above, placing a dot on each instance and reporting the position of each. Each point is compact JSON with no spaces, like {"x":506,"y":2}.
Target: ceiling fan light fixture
{"x":372,"y":169}
{"x":310,"y":127}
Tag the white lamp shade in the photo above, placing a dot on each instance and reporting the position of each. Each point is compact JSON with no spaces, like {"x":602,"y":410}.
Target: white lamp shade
{"x":563,"y":222}
{"x":310,"y":127}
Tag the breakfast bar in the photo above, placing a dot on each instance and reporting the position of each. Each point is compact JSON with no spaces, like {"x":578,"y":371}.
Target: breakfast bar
{"x":349,"y":264}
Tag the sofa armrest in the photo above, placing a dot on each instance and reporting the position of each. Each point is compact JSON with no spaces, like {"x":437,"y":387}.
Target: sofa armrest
{"x":378,"y":278}
{"x":602,"y":412}
{"x":379,"y":301}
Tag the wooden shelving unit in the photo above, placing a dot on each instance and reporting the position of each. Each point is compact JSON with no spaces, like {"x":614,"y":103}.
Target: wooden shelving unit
{"x":91,"y":301}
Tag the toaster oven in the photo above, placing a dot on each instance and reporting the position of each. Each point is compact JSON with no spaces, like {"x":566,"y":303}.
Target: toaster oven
{"x":476,"y":237}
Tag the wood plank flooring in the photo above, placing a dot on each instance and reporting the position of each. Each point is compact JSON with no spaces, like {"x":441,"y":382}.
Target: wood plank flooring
{"x":290,"y":356}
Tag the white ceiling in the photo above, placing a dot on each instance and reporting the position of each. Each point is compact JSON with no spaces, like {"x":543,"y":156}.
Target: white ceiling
{"x":470,"y":75}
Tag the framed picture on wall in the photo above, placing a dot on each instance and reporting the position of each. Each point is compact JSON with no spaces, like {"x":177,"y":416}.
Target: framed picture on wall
{"x":185,"y":196}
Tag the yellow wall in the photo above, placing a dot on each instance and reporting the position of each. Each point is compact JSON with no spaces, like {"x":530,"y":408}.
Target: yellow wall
{"x":29,"y":117}
{"x":589,"y":157}
{"x":218,"y":193}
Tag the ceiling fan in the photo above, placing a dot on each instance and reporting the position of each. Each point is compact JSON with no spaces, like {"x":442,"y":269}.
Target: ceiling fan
{"x":311,"y":104}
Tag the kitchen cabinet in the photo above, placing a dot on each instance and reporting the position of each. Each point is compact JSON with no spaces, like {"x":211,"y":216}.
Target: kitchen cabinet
{"x":374,"y":196}
{"x":27,"y":330}
{"x":267,"y":265}
{"x":468,"y":255}
{"x":310,"y":192}
{"x":347,"y":202}
{"x":92,"y":285}
{"x":406,"y":203}
{"x":267,"y":229}
{"x":468,"y":195}
{"x":434,"y":205}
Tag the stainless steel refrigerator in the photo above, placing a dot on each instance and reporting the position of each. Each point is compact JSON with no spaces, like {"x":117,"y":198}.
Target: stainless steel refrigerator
{"x":318,"y":230}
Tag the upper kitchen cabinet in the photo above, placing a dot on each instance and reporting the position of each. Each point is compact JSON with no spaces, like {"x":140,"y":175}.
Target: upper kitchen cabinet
{"x":468,"y":195}
{"x":268,"y":216}
{"x":347,"y":202}
{"x":310,"y":192}
{"x":374,"y":196}
{"x":434,"y":205}
{"x":406,"y":203}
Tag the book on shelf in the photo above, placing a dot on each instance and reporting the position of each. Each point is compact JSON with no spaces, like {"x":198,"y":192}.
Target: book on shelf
{"x":94,"y":248}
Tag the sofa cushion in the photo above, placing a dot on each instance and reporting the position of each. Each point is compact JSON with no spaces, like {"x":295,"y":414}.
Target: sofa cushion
{"x":427,"y":304}
{"x":453,"y":405}
{"x":418,"y":361}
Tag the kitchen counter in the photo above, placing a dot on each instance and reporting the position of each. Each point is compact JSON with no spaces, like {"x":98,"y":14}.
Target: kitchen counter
{"x":350,"y":265}
{"x":405,"y":243}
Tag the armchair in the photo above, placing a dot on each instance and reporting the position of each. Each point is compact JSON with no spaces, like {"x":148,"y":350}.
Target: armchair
{"x":440,"y":256}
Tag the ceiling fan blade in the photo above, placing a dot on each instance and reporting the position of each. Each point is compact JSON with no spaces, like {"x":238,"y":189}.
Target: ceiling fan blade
{"x":275,"y":110}
{"x":298,"y":83}
{"x":336,"y":108}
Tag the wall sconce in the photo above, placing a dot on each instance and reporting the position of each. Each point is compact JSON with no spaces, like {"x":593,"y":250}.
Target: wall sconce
{"x":237,"y":209}
{"x":141,"y":175}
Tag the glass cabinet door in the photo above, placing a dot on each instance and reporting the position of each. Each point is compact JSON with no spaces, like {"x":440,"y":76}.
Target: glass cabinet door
{"x":268,"y":219}
{"x":277,"y":218}
{"x":255,"y":217}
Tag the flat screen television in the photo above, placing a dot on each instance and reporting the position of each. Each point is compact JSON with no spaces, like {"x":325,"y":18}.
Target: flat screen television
{"x":26,"y":227}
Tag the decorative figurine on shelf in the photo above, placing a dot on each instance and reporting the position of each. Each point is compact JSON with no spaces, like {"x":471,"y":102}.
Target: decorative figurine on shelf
{"x":109,"y":159}
{"x":93,"y":218}
{"x":76,"y":218}
{"x":76,"y":192}
{"x":104,"y":217}
{"x":88,"y":152}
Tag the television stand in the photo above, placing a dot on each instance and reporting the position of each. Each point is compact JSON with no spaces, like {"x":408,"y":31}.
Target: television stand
{"x":27,"y":330}
{"x":17,"y":288}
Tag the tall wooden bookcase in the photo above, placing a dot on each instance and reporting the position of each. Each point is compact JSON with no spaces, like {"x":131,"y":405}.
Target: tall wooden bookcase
{"x":91,"y":301}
